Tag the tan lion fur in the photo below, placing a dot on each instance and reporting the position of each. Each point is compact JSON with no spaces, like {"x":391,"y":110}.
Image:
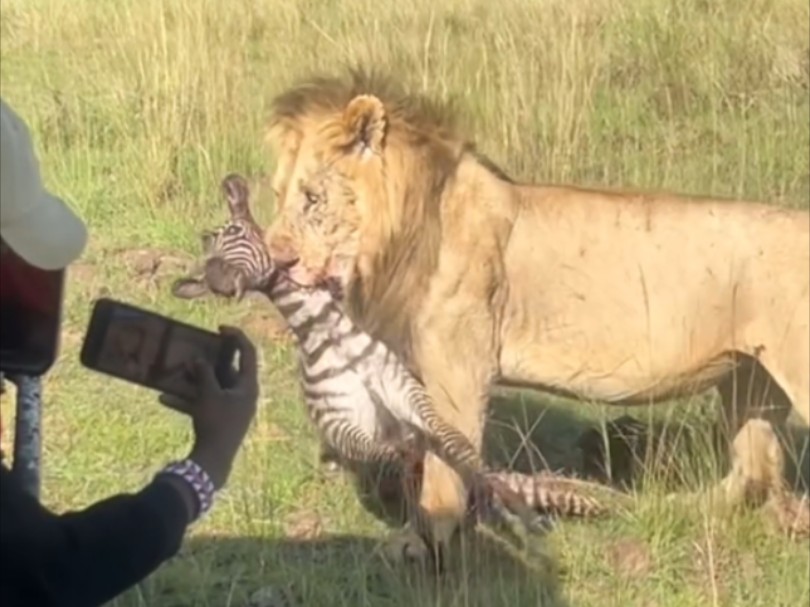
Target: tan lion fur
{"x":622,"y":297}
{"x":758,"y":469}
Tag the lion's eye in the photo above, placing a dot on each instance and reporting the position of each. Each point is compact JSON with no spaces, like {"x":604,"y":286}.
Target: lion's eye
{"x":311,"y":197}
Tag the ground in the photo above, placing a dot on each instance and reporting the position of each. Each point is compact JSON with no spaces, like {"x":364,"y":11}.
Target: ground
{"x":138,"y":109}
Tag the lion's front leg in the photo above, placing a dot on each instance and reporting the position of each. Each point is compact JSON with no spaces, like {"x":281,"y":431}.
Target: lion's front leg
{"x":407,"y":545}
{"x":459,"y":393}
{"x":460,"y":397}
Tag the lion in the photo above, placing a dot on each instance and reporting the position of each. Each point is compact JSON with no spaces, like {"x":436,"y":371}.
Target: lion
{"x":477,"y":280}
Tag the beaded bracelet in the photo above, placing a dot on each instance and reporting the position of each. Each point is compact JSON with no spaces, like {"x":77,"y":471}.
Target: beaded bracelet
{"x":198,"y":479}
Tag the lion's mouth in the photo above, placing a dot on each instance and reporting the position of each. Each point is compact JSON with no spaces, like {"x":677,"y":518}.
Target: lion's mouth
{"x":300,"y":278}
{"x":333,"y":285}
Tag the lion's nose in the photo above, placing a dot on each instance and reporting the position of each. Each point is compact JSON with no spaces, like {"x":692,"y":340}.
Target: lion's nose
{"x":283,"y":254}
{"x":284,"y":264}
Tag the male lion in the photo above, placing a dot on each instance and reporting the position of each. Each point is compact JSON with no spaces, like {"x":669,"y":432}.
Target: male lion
{"x":474,"y":279}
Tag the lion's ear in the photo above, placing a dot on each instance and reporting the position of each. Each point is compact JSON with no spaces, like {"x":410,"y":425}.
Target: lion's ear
{"x":366,"y":123}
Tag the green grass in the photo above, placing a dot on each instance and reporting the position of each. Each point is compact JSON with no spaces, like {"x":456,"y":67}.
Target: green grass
{"x":139,"y":109}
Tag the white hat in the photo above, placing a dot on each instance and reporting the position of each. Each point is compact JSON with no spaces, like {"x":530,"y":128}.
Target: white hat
{"x":36,"y":225}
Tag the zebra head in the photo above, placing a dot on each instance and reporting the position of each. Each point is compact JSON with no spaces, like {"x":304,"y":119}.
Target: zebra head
{"x":236,"y":258}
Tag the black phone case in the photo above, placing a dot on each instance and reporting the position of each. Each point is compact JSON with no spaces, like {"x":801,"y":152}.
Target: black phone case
{"x":96,"y":332}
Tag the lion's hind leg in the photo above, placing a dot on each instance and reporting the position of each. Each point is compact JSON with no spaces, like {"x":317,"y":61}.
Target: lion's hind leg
{"x":760,"y":463}
{"x":752,"y":401}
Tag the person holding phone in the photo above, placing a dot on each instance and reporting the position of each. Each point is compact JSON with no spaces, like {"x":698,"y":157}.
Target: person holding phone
{"x":88,"y":557}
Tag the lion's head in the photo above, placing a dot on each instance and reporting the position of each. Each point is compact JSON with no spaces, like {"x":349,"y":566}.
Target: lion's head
{"x":361,"y":167}
{"x":324,"y":183}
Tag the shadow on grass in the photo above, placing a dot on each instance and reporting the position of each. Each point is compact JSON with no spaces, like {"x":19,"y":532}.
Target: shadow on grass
{"x":522,"y":433}
{"x":339,"y":570}
{"x":528,"y":433}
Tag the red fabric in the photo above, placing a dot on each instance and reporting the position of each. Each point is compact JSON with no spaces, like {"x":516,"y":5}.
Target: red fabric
{"x":25,"y":285}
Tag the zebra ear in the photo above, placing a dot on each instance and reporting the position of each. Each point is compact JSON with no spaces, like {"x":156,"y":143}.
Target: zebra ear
{"x":189,"y":288}
{"x":237,"y":194}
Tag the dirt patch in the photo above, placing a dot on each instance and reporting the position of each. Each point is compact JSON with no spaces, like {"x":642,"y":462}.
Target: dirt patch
{"x":303,"y":525}
{"x":82,"y":272}
{"x":263,"y":321}
{"x":154,"y":265}
{"x":630,"y":558}
{"x":266,"y":327}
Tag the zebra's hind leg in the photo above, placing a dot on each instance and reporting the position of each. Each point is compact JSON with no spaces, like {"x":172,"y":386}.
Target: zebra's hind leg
{"x":505,"y":505}
{"x":494,"y":503}
{"x":556,"y":495}
{"x":548,"y":495}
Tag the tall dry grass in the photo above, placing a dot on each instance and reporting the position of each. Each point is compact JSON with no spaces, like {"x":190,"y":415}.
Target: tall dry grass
{"x":144,"y":105}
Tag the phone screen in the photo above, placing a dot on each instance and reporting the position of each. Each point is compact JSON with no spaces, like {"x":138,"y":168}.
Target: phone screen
{"x":30,"y":315}
{"x":152,"y":350}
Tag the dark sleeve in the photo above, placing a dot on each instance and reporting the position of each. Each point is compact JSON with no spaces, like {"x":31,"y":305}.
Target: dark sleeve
{"x":88,"y":557}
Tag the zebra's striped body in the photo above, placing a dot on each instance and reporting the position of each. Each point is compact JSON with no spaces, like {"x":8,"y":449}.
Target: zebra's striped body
{"x":359,"y":396}
{"x":364,"y":403}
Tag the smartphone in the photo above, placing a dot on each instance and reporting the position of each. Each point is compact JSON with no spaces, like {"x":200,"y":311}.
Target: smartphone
{"x":30,"y":315}
{"x":152,"y":350}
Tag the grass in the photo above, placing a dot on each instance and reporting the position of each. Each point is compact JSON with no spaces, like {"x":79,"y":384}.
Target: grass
{"x":138,"y":109}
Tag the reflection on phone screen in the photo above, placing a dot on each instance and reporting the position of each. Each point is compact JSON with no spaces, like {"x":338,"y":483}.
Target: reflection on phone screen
{"x":151,"y":351}
{"x":131,"y":344}
{"x":182,"y":346}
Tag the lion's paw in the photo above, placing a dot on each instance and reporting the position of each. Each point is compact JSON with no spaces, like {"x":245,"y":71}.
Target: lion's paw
{"x":406,"y":547}
{"x":789,"y":514}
